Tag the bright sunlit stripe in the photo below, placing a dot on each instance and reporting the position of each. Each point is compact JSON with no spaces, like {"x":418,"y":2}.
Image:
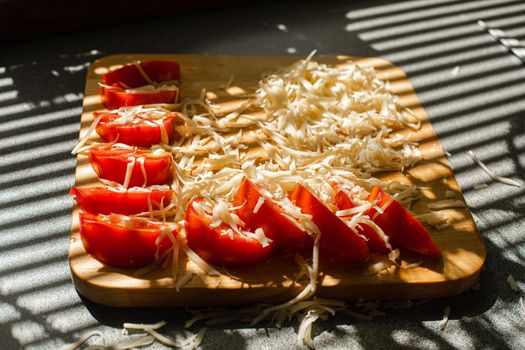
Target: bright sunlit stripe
{"x":34,"y":120}
{"x":517,"y":33}
{"x":487,"y":80}
{"x":32,"y":136}
{"x":488,"y":134}
{"x":28,"y":332}
{"x":32,"y":254}
{"x":35,"y":278}
{"x":16,"y":108}
{"x":8,"y":95}
{"x":33,"y":230}
{"x":468,"y":121}
{"x":59,"y":148}
{"x":46,"y":344}
{"x":427,"y":37}
{"x":519,"y":142}
{"x":71,"y":319}
{"x":501,"y":23}
{"x":453,"y":59}
{"x":389,"y":8}
{"x":465,"y":104}
{"x":434,"y":50}
{"x":37,"y":170}
{"x":8,"y":313}
{"x":6,"y":82}
{"x":25,"y":212}
{"x":54,"y":187}
{"x":437,"y":24}
{"x":38,"y":302}
{"x":67,"y":98}
{"x":407,"y":339}
{"x":426,"y":16}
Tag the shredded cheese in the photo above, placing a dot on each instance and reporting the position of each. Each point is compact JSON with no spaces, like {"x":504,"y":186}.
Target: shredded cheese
{"x":258,"y":205}
{"x":494,"y":177}
{"x":81,"y":340}
{"x":129,"y":170}
{"x":142,"y":326}
{"x":512,"y":283}
{"x":377,"y":267}
{"x":446,"y":204}
{"x":143,"y":73}
{"x":183,"y":280}
{"x":522,"y":309}
{"x":446,"y":314}
{"x":87,"y":135}
{"x":435,"y":219}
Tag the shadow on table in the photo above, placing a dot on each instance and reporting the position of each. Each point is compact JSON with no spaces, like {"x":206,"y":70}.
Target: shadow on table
{"x":480,"y":108}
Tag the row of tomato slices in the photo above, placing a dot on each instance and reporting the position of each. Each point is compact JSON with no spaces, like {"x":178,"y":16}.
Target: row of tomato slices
{"x":112,"y":234}
{"x":132,"y":241}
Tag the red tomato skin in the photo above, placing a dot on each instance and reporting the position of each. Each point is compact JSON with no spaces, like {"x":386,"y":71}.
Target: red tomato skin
{"x":119,"y":246}
{"x":401,"y":226}
{"x":139,"y":134}
{"x":158,"y":71}
{"x":217,"y":248}
{"x":114,"y":98}
{"x":336,"y":237}
{"x":269,"y":217}
{"x":374,"y":242}
{"x":343,"y":201}
{"x":101,"y":200}
{"x":111,"y":165}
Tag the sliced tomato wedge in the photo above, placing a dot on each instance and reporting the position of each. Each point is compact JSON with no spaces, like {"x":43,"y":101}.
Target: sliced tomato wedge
{"x":111,"y":163}
{"x":144,"y":129}
{"x":373,"y":240}
{"x":400,"y":225}
{"x":122,"y":241}
{"x":132,"y":85}
{"x":216,"y":246}
{"x":336,"y":237}
{"x":268,"y":216}
{"x":107,"y":200}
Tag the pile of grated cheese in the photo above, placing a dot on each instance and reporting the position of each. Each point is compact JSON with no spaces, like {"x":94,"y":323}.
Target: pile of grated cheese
{"x":319,"y":125}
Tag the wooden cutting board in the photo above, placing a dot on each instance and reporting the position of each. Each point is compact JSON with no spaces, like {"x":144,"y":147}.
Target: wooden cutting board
{"x":462,"y":247}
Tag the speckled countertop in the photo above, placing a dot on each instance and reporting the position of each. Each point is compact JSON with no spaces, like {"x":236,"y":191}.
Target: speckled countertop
{"x":480,"y":107}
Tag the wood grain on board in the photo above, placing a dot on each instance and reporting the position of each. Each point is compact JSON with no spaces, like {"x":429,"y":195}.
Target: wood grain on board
{"x":462,"y":247}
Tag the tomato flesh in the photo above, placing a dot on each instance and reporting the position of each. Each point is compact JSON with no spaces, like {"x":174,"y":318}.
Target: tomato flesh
{"x":111,"y":164}
{"x":401,"y":226}
{"x":142,"y":134}
{"x":115,"y":96}
{"x":336,"y":237}
{"x":269,"y":217}
{"x":104,"y":200}
{"x":374,"y":241}
{"x":216,"y":247}
{"x":117,"y":244}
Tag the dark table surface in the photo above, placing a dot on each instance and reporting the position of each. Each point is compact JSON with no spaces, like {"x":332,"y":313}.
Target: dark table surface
{"x":481,"y":108}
